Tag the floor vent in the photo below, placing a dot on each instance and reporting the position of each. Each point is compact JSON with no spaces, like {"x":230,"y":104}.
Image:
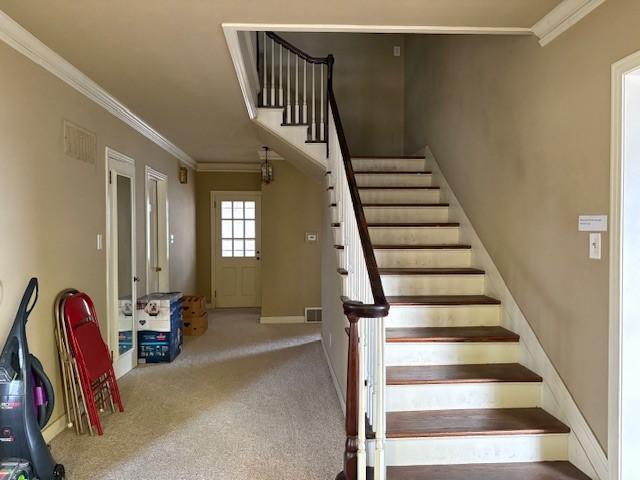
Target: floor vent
{"x":313,"y":314}
{"x":79,"y":143}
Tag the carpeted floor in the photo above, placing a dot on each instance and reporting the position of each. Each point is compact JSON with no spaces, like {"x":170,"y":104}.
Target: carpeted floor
{"x":243,"y":402}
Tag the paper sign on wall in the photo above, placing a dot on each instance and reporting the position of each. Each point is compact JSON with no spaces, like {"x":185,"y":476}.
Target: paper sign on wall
{"x":592,"y":223}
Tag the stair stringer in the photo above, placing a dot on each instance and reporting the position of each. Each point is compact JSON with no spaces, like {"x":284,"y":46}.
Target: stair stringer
{"x":584,"y":449}
{"x":290,"y":142}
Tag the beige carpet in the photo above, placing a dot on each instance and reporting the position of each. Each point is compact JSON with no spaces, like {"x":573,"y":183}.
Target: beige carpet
{"x":245,"y":401}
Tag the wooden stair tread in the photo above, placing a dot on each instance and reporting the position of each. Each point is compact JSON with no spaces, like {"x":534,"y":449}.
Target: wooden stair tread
{"x":394,"y":157}
{"x":481,"y":373}
{"x":399,"y":188}
{"x":405,"y":205}
{"x":415,"y":224}
{"x":430,"y":271}
{"x":444,"y":246}
{"x":451,"y":334}
{"x":392,"y":172}
{"x":485,"y":421}
{"x":489,"y":471}
{"x":442,"y":300}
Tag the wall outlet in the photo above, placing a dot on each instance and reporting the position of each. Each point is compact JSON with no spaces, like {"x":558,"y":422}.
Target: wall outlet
{"x":172,"y":239}
{"x":396,"y":51}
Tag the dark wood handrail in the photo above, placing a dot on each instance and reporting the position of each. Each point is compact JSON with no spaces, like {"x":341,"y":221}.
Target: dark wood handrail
{"x":281,"y":41}
{"x":380,"y":307}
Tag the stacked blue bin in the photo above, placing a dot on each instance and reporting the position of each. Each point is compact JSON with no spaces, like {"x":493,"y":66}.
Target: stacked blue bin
{"x":159,"y":317}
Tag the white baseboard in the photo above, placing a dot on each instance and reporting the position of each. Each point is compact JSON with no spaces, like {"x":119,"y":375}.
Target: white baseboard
{"x":584,"y":450}
{"x":343,"y":403}
{"x":289,"y":319}
{"x":55,"y":428}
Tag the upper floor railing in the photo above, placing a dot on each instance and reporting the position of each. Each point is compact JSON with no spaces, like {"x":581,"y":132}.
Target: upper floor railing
{"x":302,"y":85}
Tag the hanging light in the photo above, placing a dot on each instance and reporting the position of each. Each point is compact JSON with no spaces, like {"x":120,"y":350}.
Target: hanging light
{"x":266,"y":168}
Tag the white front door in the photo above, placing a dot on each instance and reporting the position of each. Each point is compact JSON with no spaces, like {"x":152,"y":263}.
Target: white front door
{"x":236,"y":249}
{"x":157,"y":231}
{"x":121,"y":258}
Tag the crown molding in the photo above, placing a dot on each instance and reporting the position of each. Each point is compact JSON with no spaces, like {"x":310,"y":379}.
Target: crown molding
{"x":17,"y":37}
{"x":240,"y":167}
{"x":562,"y":18}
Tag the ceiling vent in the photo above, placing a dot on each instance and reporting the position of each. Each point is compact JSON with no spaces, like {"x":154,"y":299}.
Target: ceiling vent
{"x":313,"y":314}
{"x":79,"y":143}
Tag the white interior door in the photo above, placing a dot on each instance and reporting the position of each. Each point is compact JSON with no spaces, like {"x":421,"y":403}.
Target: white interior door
{"x":121,"y":258}
{"x":236,"y":249}
{"x":157,"y":232}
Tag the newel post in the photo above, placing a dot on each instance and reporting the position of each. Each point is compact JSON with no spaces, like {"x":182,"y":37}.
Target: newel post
{"x":350,"y":471}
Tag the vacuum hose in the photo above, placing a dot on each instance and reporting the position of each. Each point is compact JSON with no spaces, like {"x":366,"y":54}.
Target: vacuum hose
{"x":41,"y":380}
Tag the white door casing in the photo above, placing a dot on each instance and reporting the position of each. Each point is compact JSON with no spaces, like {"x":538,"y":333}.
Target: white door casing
{"x":624,"y":279}
{"x":121,"y":273}
{"x":235,"y":249}
{"x":157,"y":231}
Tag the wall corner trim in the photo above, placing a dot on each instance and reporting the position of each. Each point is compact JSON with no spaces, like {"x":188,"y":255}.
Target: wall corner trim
{"x":17,"y":37}
{"x":562,"y":18}
{"x":584,"y":450}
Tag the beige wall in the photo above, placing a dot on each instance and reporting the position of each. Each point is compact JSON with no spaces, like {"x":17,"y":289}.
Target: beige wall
{"x":291,"y":205}
{"x":522,"y":134}
{"x":52,"y":206}
{"x":369,"y":86}
{"x":207,"y":182}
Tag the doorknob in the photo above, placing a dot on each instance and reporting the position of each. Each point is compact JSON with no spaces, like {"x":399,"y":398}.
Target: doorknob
{"x":158,"y":269}
{"x":136,"y":279}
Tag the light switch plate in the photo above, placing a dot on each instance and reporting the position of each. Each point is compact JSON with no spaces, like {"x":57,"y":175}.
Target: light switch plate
{"x":311,"y":237}
{"x":595,"y":246}
{"x":396,"y":51}
{"x":99,"y":241}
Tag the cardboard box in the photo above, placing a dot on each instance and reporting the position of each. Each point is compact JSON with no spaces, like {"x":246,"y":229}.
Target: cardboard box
{"x":159,"y":311}
{"x":193,"y":306}
{"x":159,"y":347}
{"x":196,"y":326}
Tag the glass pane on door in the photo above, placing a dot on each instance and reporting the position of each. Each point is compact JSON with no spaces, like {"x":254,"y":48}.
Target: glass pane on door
{"x":238,"y":228}
{"x":126,"y":304}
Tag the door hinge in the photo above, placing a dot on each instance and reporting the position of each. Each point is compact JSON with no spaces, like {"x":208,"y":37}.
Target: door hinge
{"x":109,"y":177}
{"x":215,"y":294}
{"x":215,"y":204}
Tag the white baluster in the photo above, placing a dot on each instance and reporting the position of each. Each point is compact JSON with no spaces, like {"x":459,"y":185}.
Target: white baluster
{"x":313,"y":102}
{"x":288,"y":114}
{"x":280,"y":91}
{"x":322,"y":102}
{"x":297,"y":108}
{"x":273,"y":73}
{"x":265,"y":87}
{"x":380,"y":468}
{"x":305,"y":115}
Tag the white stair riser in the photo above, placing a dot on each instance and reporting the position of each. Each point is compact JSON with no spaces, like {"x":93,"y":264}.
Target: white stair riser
{"x":413,"y":235}
{"x":390,"y":164}
{"x":436,"y":258}
{"x":433,"y":284}
{"x":444,"y":316}
{"x":406,"y":214}
{"x":476,"y":449}
{"x":400,"y":196}
{"x":407,"y":398}
{"x":454,"y":353}
{"x":394,"y":180}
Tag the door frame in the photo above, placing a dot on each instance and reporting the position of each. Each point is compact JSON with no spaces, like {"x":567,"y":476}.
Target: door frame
{"x":619,"y":72}
{"x":125,"y":166}
{"x":163,"y":229}
{"x":212,"y":243}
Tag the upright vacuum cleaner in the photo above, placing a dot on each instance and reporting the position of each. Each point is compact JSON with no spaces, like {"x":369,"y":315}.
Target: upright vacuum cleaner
{"x":24,"y":455}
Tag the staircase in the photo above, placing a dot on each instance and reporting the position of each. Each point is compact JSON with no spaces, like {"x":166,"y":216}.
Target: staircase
{"x":435,"y":389}
{"x":458,"y":404}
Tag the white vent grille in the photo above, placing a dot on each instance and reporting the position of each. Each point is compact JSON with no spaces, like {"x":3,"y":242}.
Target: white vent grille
{"x":313,"y":314}
{"x":79,"y":143}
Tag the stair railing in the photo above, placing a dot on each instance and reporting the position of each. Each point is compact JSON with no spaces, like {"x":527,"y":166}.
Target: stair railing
{"x":363,"y":296}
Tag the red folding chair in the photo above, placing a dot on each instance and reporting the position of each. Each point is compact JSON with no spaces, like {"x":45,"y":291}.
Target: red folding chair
{"x":92,"y":356}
